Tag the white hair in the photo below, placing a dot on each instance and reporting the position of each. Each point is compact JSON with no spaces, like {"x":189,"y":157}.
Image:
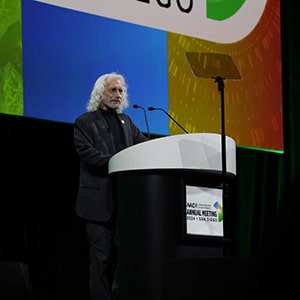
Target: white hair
{"x":97,"y":94}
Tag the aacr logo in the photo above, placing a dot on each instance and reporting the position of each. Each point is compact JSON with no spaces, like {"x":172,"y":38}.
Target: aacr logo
{"x":222,"y":21}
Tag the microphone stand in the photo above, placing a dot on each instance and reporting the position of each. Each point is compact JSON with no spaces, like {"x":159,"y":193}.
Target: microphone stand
{"x":145,"y":116}
{"x":154,"y":108}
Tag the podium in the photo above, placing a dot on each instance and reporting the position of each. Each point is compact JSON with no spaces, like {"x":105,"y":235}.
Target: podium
{"x":151,"y":181}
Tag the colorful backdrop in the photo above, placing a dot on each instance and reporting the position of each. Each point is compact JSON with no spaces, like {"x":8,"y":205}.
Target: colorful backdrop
{"x":51,"y":55}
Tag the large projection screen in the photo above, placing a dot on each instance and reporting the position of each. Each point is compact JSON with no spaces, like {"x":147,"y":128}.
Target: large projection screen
{"x":53,"y":51}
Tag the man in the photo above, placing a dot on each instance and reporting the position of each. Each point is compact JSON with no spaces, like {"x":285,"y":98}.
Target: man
{"x":99,"y":133}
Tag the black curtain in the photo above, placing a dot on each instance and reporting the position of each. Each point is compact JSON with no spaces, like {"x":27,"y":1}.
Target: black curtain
{"x":267,"y":182}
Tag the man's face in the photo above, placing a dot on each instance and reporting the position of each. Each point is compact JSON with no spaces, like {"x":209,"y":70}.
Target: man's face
{"x":113,"y":94}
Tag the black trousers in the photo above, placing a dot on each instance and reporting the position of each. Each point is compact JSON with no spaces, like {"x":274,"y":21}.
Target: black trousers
{"x":104,"y":268}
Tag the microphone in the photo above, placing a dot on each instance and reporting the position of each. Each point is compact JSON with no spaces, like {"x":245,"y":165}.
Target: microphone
{"x":145,"y":116}
{"x":157,"y":108}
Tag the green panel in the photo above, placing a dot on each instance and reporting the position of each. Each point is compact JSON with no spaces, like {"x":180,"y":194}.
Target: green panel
{"x":11,"y":80}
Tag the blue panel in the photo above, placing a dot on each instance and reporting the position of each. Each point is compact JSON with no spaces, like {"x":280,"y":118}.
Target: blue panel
{"x":64,"y":52}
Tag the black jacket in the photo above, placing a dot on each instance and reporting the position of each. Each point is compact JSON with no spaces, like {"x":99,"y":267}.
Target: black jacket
{"x":94,"y":145}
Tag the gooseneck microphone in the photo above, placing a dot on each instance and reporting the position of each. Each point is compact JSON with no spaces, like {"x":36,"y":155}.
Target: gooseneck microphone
{"x":145,"y":116}
{"x":157,"y":108}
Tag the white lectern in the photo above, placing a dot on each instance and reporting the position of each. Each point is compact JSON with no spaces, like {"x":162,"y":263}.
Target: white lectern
{"x":151,"y":182}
